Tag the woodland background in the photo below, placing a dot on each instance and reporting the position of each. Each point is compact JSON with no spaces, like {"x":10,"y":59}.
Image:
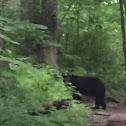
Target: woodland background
{"x":42,"y":39}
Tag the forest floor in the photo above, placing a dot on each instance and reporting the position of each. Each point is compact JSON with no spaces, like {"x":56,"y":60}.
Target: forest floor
{"x":114,"y":115}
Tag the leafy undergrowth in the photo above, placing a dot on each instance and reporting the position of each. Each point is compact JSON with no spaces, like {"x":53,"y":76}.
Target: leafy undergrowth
{"x":26,"y":88}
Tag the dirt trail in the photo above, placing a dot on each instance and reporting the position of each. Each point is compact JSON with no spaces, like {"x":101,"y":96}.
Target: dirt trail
{"x":114,"y":115}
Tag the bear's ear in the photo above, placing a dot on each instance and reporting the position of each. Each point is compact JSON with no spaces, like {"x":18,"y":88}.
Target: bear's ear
{"x":67,"y":78}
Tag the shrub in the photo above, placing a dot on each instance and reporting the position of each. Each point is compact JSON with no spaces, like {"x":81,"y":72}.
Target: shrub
{"x":25,"y":89}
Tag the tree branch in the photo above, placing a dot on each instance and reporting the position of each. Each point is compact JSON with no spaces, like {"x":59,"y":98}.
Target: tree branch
{"x":66,"y":12}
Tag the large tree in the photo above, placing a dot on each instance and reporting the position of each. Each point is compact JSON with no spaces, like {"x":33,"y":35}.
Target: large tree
{"x":43,"y":12}
{"x":30,"y":10}
{"x":49,"y":19}
{"x":123,"y":26}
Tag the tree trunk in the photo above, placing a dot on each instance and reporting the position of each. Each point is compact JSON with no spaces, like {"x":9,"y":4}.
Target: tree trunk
{"x":44,"y":13}
{"x":122,"y":13}
{"x":49,"y":19}
{"x":1,"y":3}
{"x":78,"y":28}
{"x":30,"y":10}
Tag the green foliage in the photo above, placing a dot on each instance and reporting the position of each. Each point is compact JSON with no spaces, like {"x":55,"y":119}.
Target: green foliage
{"x":24,"y":91}
{"x":31,"y":38}
{"x":90,"y":44}
{"x":41,"y":83}
{"x":91,"y":41}
{"x":18,"y":32}
{"x":79,"y":71}
{"x":12,"y":28}
{"x":73,"y":117}
{"x":10,"y":9}
{"x":8,"y":39}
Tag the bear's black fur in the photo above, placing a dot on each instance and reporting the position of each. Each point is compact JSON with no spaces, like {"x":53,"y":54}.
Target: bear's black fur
{"x":89,"y":86}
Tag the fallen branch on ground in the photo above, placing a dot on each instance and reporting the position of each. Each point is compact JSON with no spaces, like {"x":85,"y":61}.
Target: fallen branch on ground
{"x":58,"y":104}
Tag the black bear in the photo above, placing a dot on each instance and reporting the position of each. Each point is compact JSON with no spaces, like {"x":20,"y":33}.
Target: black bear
{"x":89,"y":86}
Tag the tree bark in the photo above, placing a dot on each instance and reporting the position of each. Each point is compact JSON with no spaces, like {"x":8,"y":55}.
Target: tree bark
{"x":122,"y":13}
{"x":31,"y":10}
{"x":49,"y":19}
{"x":45,"y":15}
